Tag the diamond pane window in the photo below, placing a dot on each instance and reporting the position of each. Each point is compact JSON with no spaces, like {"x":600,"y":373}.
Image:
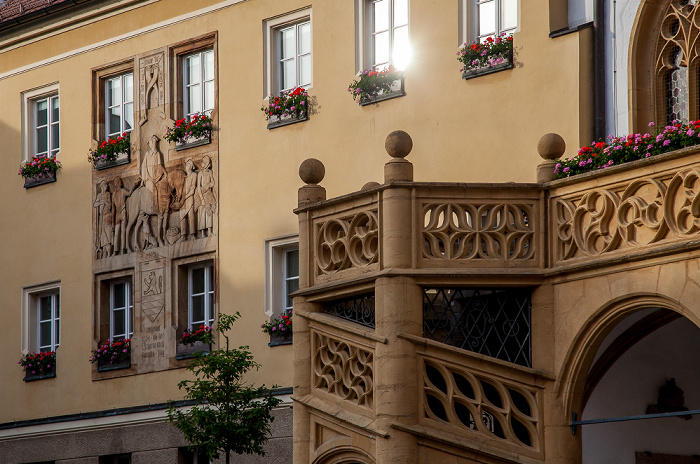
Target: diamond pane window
{"x":677,"y":90}
{"x":492,"y":322}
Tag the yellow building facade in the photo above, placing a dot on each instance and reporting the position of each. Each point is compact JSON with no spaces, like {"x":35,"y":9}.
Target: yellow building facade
{"x":162,"y":239}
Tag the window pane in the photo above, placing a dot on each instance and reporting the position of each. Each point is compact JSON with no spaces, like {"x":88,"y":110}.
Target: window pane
{"x":119,"y":327}
{"x":128,"y":88}
{"x":305,"y":70}
{"x":288,"y":77}
{"x":54,"y":137}
{"x":198,"y":280}
{"x":292,"y":264}
{"x":381,"y":48}
{"x":128,"y":117}
{"x":45,"y":334}
{"x":198,"y":309}
{"x":45,"y":308}
{"x":119,"y":295}
{"x":58,"y":305}
{"x":209,"y":95}
{"x":54,"y":109}
{"x":292,"y":286}
{"x":381,"y":16}
{"x":114,"y":92}
{"x":211,"y":309}
{"x":115,"y":120}
{"x":509,"y":14}
{"x":401,"y":54}
{"x":194,"y":99}
{"x":208,"y":65}
{"x":287,"y":43}
{"x":42,"y":113}
{"x":41,"y":140}
{"x":487,"y":18}
{"x":400,"y":12}
{"x":304,"y":38}
{"x":193,"y":69}
{"x":58,"y":332}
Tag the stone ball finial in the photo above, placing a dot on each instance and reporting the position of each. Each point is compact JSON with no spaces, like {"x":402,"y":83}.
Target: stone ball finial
{"x":551,"y":146}
{"x":369,"y":185}
{"x":398,"y":144}
{"x":312,"y":171}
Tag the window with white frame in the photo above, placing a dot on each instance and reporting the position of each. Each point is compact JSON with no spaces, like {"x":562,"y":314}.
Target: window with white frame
{"x":198,"y":82}
{"x":281,"y":274}
{"x":200,"y":295}
{"x":121,"y":310}
{"x":119,"y":105}
{"x":288,"y":52}
{"x":290,"y":276}
{"x":495,"y":17}
{"x":41,"y":122}
{"x":41,"y":317}
{"x":388,"y":40}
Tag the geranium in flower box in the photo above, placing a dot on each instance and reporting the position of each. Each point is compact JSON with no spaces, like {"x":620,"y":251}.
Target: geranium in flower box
{"x":373,"y":86}
{"x":279,"y":328}
{"x":112,"y":152}
{"x":190,"y":132}
{"x":290,"y":107}
{"x":112,"y":355}
{"x":194,"y":341}
{"x":40,"y":170}
{"x":38,"y":366}
{"x":489,"y":56}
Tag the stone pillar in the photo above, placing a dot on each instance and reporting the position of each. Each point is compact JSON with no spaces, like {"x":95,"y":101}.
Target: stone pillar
{"x":550,"y":147}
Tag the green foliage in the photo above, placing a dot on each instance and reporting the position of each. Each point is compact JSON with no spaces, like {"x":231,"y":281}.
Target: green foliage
{"x":229,"y":415}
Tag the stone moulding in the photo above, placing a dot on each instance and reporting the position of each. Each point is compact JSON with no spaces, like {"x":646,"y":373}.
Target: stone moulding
{"x":121,"y":159}
{"x":28,"y":377}
{"x":108,"y":366}
{"x":280,"y":121}
{"x":397,"y":90}
{"x":35,"y":181}
{"x":194,"y":142}
{"x":190,"y":350}
{"x":472,"y":73}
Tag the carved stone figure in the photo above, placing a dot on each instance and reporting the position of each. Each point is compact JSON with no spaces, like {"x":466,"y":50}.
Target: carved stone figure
{"x":187,"y":216}
{"x":105,"y":221}
{"x":120,"y":215}
{"x":154,"y":193}
{"x":206,"y":201}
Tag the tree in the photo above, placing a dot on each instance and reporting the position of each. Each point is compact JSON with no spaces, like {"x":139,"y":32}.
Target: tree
{"x":228,"y":414}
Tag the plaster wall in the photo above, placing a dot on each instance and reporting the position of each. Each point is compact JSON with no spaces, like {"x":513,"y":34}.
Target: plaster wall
{"x":484,"y":129}
{"x":631,"y":385}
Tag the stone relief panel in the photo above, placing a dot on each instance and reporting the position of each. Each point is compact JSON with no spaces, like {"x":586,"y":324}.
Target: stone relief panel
{"x":481,"y":404}
{"x":343,"y":369}
{"x":348,"y":242}
{"x":484,"y":232}
{"x":643,"y":212}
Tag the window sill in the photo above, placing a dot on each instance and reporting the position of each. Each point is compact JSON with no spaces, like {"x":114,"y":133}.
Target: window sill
{"x":191,"y":350}
{"x":194,"y":142}
{"x":32,"y":377}
{"x":397,"y":90}
{"x":36,"y":181}
{"x":279,"y":121}
{"x":122,"y":158}
{"x":107,"y":366}
{"x":277,"y":340}
{"x":472,"y":73}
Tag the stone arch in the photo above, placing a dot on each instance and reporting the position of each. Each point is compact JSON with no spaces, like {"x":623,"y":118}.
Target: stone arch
{"x":652,"y":46}
{"x":579,"y":358}
{"x":341,"y":451}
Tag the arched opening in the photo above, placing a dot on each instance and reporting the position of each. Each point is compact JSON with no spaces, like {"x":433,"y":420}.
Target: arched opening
{"x":639,"y":356}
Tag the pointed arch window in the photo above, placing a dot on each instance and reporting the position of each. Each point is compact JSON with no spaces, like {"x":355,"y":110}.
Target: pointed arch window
{"x":677,"y":89}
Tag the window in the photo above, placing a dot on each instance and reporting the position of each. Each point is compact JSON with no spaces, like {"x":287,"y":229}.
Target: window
{"x":41,"y":317}
{"x":121,"y":308}
{"x":288,"y":51}
{"x":281,"y":273}
{"x":119,"y":105}
{"x":495,"y":17}
{"x":198,"y":82}
{"x":41,"y":128}
{"x":200,"y":296}
{"x":386,"y":33}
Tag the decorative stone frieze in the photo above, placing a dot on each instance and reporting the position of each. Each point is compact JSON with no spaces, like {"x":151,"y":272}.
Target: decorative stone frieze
{"x":347,"y":242}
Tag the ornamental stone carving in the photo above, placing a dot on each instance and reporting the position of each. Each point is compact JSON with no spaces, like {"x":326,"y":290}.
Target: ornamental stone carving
{"x":467,"y":231}
{"x":679,"y":30}
{"x":641,"y":213}
{"x":343,"y":369}
{"x":347,"y":242}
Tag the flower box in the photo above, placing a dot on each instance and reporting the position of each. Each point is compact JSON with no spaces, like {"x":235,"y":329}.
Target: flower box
{"x":279,"y":328}
{"x":105,"y":365}
{"x":282,"y":120}
{"x":289,"y":108}
{"x":38,"y":366}
{"x":192,"y":142}
{"x":39,"y":179}
{"x":112,"y":355}
{"x":277,"y":339}
{"x":476,"y":72}
{"x":374,"y":86}
{"x":190,"y":350}
{"x":396,"y":90}
{"x":122,"y":158}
